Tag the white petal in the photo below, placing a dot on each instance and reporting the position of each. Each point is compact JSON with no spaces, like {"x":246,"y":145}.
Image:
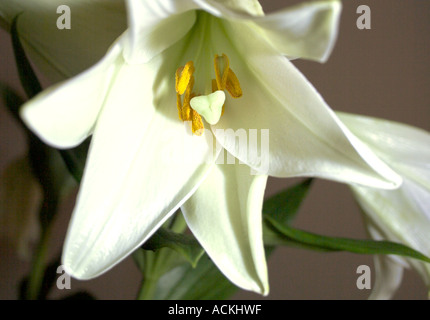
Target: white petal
{"x":402,"y":215}
{"x":388,"y":273}
{"x":225,"y":216}
{"x":306,"y":31}
{"x":142,"y":165}
{"x":306,"y":137}
{"x":64,"y":115}
{"x":405,"y":148}
{"x":59,"y":54}
{"x":155,"y":26}
{"x":388,"y":276}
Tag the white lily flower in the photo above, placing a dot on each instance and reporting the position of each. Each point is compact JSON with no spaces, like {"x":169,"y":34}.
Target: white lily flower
{"x":60,"y":54}
{"x":401,"y":215}
{"x":230,"y":74}
{"x":20,"y":198}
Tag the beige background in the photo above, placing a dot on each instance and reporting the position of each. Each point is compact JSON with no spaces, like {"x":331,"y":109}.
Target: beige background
{"x":383,"y":72}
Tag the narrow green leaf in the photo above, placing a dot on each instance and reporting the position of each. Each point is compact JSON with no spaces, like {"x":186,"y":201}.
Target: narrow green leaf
{"x":345,"y":244}
{"x":75,"y":159}
{"x":184,"y":244}
{"x":273,"y":238}
{"x":27,"y":76}
{"x":204,"y":282}
{"x":284,"y":206}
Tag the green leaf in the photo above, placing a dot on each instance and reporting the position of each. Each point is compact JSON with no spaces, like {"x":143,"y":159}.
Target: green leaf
{"x":75,"y":159}
{"x":284,"y":206}
{"x":184,"y":244}
{"x":345,"y":244}
{"x":272,"y":239}
{"x":204,"y":282}
{"x":27,"y":76}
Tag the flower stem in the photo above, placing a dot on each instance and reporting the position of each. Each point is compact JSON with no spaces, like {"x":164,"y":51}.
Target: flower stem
{"x":150,"y":278}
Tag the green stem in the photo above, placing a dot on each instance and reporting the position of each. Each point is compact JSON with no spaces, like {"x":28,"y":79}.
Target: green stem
{"x":150,"y":279}
{"x":147,"y":289}
{"x":155,"y":264}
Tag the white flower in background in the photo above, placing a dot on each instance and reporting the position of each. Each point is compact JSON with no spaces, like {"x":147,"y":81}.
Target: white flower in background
{"x":401,"y":215}
{"x":60,"y":54}
{"x":190,"y":60}
{"x":20,"y":198}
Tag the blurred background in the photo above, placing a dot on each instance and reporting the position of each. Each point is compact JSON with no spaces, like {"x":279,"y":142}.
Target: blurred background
{"x":382,"y":72}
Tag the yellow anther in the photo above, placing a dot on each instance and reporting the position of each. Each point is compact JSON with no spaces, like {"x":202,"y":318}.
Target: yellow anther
{"x":233,"y":85}
{"x":222,"y":65}
{"x":225,"y":80}
{"x":183,"y":77}
{"x":197,"y":124}
{"x":179,"y":105}
{"x":186,"y":109}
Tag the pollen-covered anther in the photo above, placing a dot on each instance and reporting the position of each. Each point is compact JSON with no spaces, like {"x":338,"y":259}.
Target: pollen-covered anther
{"x":197,"y":126}
{"x":225,"y":78}
{"x":183,"y":77}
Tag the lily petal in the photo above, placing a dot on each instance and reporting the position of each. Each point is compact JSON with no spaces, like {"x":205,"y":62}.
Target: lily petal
{"x":402,"y":216}
{"x":225,"y":216}
{"x":403,"y":147}
{"x":60,"y":54}
{"x":126,"y":196}
{"x":306,"y":137}
{"x":388,"y":273}
{"x":165,"y":22}
{"x":64,"y":115}
{"x":308,"y":30}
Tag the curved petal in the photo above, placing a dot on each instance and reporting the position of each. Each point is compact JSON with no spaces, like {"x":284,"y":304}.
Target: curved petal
{"x":142,"y":165}
{"x":60,"y":54}
{"x":64,"y":115}
{"x":403,"y":147}
{"x":308,"y":30}
{"x":306,"y":137}
{"x":225,"y":216}
{"x":388,"y":276}
{"x":402,"y":215}
{"x":388,"y":273}
{"x":155,"y":26}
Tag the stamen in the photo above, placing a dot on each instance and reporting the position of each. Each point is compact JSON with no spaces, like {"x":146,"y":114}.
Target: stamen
{"x":197,"y":124}
{"x":183,"y":76}
{"x":221,"y":63}
{"x":179,"y":105}
{"x":233,"y":85}
{"x":186,"y":108}
{"x":211,"y":106}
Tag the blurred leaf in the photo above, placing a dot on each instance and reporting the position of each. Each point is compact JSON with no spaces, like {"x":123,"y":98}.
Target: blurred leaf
{"x":184,"y":244}
{"x":12,"y":101}
{"x":27,"y":76}
{"x":204,"y":282}
{"x":75,"y":159}
{"x":284,"y":206}
{"x":345,"y":244}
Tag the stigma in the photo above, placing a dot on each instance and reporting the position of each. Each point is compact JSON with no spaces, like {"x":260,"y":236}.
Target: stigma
{"x":193,"y":106}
